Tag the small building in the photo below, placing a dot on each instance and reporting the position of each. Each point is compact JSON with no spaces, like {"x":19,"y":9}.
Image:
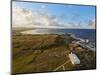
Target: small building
{"x":74,"y":59}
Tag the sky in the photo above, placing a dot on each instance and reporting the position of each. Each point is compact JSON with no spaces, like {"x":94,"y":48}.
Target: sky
{"x":47,"y":15}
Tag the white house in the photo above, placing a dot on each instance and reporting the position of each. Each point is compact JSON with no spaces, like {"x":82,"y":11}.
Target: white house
{"x":74,"y":59}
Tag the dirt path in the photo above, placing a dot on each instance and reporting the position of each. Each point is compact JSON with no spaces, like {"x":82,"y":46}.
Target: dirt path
{"x":61,"y":65}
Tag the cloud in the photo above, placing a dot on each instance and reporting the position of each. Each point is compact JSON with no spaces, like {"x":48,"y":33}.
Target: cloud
{"x":91,"y":24}
{"x":27,"y":18}
{"x":22,"y":17}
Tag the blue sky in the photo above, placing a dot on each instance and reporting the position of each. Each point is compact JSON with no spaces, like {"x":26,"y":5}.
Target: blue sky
{"x":65,"y":13}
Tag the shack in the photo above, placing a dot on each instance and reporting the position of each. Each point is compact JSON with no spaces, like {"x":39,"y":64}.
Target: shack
{"x":74,"y":59}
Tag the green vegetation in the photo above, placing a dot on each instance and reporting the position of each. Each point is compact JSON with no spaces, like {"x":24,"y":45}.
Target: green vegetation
{"x":88,"y":60}
{"x":37,"y":53}
{"x":43,"y":53}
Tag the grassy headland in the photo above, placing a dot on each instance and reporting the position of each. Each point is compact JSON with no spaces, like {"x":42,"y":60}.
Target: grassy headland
{"x":43,"y":53}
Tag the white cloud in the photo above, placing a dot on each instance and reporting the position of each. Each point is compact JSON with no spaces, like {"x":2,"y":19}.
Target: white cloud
{"x":40,"y":19}
{"x":92,"y":24}
{"x":27,"y":18}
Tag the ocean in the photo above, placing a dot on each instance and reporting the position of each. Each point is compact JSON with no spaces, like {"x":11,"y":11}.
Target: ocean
{"x":82,"y":33}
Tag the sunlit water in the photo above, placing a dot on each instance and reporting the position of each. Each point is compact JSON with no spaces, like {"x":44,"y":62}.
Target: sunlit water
{"x":82,"y":33}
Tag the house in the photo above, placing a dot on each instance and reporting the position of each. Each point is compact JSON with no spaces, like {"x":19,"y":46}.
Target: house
{"x":74,"y":59}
